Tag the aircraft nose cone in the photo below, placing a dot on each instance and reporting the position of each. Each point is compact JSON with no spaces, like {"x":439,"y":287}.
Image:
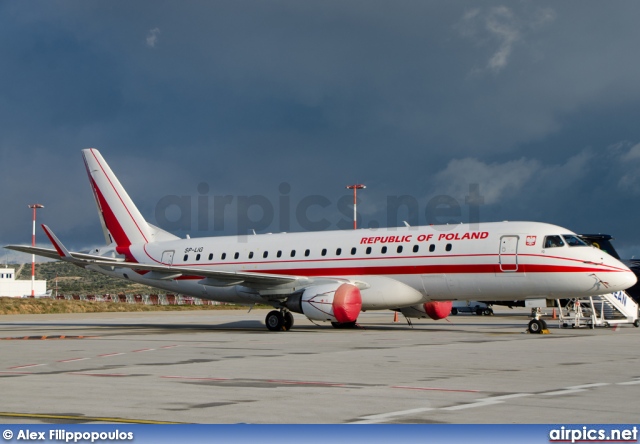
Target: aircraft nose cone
{"x":624,"y":279}
{"x":630,"y":279}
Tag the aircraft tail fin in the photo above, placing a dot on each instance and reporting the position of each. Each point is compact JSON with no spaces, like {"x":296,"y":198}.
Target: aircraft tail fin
{"x":121,"y":220}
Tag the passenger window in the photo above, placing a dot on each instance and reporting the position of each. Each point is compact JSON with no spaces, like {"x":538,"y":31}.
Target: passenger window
{"x":251,"y":255}
{"x":416,"y":248}
{"x":368,"y":250}
{"x":265,"y":254}
{"x":338,"y":251}
{"x":197,"y":257}
{"x":399,"y":249}
{"x":185,"y":258}
{"x":307,"y":253}
{"x":210,"y":256}
{"x":324,"y":251}
{"x":574,"y":241}
{"x":279,"y":254}
{"x":383,"y":250}
{"x":448,"y":247}
{"x":432,"y":248}
{"x":553,"y":242}
{"x":236,"y":256}
{"x":293,"y":253}
{"x":353,"y":251}
{"x":224,"y":256}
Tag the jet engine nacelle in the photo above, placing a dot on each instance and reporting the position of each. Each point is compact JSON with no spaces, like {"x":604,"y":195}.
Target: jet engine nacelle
{"x":434,"y":309}
{"x":328,"y":302}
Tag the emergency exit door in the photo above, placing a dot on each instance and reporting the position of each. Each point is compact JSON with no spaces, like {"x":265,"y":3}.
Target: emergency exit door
{"x":167,"y":257}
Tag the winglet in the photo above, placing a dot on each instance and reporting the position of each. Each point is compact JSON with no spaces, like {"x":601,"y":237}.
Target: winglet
{"x":61,"y":249}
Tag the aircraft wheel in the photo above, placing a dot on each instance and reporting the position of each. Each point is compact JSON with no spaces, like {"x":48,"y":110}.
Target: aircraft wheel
{"x":454,"y":311}
{"x":636,"y":323}
{"x":535,"y":326}
{"x":275,"y":321}
{"x":343,"y":324}
{"x":288,"y":321}
{"x":488,"y":312}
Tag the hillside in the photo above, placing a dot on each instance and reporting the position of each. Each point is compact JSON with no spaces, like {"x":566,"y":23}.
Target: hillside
{"x":76,"y":280}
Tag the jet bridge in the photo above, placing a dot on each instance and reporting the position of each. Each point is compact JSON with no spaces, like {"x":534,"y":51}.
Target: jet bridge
{"x":599,"y":311}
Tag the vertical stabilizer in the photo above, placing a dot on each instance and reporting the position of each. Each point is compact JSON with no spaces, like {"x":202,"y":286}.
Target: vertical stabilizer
{"x":119,"y":216}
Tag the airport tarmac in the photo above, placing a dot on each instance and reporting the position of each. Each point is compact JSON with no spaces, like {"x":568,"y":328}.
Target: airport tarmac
{"x":225,"y":367}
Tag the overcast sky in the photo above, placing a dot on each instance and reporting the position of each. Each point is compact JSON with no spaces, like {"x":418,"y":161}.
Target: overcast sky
{"x":538,"y":103}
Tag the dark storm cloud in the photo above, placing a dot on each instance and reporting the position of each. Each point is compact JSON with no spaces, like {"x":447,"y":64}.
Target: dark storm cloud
{"x":422,"y":98}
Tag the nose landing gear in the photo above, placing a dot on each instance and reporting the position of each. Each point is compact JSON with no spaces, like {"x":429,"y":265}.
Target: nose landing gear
{"x":537,"y":325}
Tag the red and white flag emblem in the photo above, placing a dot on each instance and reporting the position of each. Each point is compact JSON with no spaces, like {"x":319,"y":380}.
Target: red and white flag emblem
{"x":531,"y":241}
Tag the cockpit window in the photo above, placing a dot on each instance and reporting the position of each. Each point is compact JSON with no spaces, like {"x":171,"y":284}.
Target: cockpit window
{"x":574,"y":241}
{"x":553,"y":241}
{"x":604,"y":245}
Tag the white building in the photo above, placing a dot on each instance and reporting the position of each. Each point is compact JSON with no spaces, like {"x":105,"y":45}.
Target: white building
{"x":12,"y":288}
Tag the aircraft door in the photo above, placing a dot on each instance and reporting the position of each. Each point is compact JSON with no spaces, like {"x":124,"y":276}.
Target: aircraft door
{"x":508,"y":255}
{"x":167,"y":257}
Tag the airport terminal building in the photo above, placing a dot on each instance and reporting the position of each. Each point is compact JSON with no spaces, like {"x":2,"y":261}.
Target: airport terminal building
{"x":9,"y":286}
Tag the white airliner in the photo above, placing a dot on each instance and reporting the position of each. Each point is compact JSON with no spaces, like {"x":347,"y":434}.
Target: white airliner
{"x":334,"y":275}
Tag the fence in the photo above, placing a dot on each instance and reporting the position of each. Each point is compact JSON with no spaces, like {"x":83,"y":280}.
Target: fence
{"x":143,"y":299}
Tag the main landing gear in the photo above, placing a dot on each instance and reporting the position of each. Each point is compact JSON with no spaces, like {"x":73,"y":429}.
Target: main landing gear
{"x":279,"y":320}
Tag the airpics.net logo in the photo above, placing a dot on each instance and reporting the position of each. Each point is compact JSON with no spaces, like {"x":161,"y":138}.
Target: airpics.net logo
{"x":591,"y":434}
{"x":210,"y":212}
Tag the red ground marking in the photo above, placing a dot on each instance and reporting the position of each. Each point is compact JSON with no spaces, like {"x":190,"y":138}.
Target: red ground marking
{"x":45,"y":338}
{"x":110,"y":354}
{"x":143,"y":350}
{"x":24,"y":366}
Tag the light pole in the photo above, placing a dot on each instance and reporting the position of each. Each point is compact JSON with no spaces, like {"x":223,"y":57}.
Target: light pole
{"x":33,"y":244}
{"x":354,"y":188}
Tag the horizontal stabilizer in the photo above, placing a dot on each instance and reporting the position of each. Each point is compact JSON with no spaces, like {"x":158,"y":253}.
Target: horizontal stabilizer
{"x":53,"y":254}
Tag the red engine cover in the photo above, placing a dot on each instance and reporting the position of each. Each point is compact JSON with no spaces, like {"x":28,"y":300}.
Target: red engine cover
{"x":347,"y":303}
{"x":438,"y":309}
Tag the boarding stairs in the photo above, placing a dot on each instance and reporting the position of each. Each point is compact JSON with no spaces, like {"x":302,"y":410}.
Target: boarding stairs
{"x":599,"y":311}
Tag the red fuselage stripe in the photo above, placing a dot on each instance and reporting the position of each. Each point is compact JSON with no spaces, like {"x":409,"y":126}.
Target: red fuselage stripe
{"x":422,"y":269}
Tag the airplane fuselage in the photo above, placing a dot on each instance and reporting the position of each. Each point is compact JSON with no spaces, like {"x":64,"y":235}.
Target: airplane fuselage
{"x":394,"y":267}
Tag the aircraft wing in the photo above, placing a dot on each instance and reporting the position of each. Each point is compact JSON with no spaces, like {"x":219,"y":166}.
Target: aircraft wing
{"x":208,"y":277}
{"x":161,"y":272}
